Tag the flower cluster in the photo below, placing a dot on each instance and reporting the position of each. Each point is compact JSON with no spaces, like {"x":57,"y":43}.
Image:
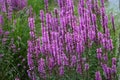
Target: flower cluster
{"x":67,"y":38}
{"x":18,"y":4}
{"x":8,"y":6}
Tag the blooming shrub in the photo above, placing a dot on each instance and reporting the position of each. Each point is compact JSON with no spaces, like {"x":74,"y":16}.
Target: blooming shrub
{"x":72,"y":44}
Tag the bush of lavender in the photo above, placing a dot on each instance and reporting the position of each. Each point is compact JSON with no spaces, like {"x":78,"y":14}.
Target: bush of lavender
{"x":72,"y":47}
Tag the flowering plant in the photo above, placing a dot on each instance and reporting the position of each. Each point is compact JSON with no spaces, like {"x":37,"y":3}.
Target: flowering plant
{"x":69,"y":43}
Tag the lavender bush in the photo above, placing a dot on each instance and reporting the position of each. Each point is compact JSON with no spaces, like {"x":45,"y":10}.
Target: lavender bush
{"x":72,"y":45}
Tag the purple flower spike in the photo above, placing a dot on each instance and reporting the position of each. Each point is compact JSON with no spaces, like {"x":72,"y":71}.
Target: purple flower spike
{"x":102,"y":3}
{"x":61,"y":70}
{"x":42,"y":15}
{"x":98,"y":76}
{"x":79,"y":69}
{"x":99,"y":53}
{"x":114,"y":61}
{"x":2,"y":6}
{"x":41,"y":67}
{"x":10,"y":10}
{"x":73,"y":60}
{"x":46,"y":5}
{"x":31,"y":23}
{"x":105,"y":57}
{"x":19,"y":4}
{"x":114,"y":69}
{"x":86,"y":66}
